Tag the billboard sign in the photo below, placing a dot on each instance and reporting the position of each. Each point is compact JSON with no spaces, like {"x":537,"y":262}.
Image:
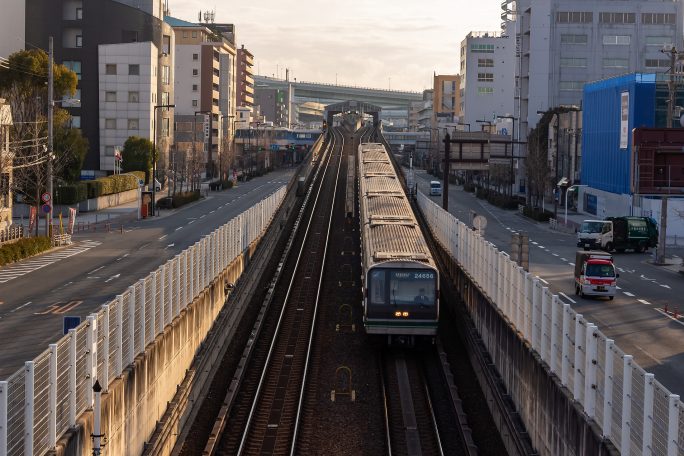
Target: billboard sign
{"x":657,"y":161}
{"x":624,"y":120}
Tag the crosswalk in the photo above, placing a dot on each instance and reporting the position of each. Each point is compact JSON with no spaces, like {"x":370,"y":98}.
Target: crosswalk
{"x":24,"y":267}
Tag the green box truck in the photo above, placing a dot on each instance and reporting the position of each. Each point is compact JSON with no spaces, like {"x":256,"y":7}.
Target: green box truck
{"x":619,"y":234}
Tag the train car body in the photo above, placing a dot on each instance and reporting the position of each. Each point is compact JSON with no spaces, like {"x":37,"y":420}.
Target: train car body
{"x":400,"y":279}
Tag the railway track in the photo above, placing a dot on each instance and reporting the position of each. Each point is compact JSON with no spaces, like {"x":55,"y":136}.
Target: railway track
{"x":261,"y":415}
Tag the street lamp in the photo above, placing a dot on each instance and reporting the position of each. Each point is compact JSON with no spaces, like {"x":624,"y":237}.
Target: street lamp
{"x":154,"y":153}
{"x":194,"y":133}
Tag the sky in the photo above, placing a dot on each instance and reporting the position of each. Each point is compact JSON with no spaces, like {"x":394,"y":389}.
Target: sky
{"x":384,"y":44}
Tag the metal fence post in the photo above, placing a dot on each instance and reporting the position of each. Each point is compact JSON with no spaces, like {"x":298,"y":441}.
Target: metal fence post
{"x":591,"y":346}
{"x":91,"y":357}
{"x":154,"y":302}
{"x":52,"y":399}
{"x":3,"y":418}
{"x":626,"y":402}
{"x":578,"y":386}
{"x":527,"y":306}
{"x":118,"y":336}
{"x":544,"y":325}
{"x":190,"y":272}
{"x":72,"y":377}
{"x":177,"y":286}
{"x":161,"y":272}
{"x":143,"y":317}
{"x":105,"y":348}
{"x":131,"y":326}
{"x":536,"y":314}
{"x":608,"y":390}
{"x":672,"y":424}
{"x":555,"y":310}
{"x":29,"y":404}
{"x":647,"y":434}
{"x":185,"y":289}
{"x":565,"y":346}
{"x":172,"y":297}
{"x":521,"y":277}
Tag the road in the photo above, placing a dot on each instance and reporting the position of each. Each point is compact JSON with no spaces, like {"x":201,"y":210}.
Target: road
{"x":100,"y":265}
{"x":635,"y":319}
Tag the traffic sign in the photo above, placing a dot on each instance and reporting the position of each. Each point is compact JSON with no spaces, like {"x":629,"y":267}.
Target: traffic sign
{"x":45,"y":197}
{"x":46,"y":208}
{"x":71,"y":323}
{"x":275,"y":147}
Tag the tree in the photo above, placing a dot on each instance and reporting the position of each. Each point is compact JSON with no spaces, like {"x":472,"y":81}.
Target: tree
{"x":70,"y":148}
{"x":537,"y":162}
{"x":137,"y":155}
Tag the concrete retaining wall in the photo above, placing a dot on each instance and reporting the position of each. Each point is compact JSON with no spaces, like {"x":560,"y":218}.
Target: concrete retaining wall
{"x":138,"y":399}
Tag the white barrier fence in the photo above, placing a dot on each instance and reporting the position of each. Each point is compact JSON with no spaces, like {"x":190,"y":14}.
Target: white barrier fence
{"x":40,"y":402}
{"x":638,"y":414}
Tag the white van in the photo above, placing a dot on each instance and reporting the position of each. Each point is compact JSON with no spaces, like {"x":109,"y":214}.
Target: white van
{"x":435,"y":188}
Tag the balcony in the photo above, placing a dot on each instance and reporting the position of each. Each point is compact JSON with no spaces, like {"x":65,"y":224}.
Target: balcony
{"x":249,"y":70}
{"x":249,"y":79}
{"x":249,"y":89}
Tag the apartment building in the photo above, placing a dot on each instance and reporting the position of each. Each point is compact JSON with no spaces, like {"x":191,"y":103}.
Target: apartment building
{"x":564,"y":44}
{"x":273,"y":105}
{"x":83,"y":32}
{"x":12,"y":27}
{"x":5,"y":165}
{"x":446,"y":99}
{"x":487,"y":77}
{"x":245,"y":75}
{"x":205,"y":85}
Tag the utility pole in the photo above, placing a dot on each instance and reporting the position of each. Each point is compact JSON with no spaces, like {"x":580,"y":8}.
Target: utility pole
{"x":447,"y":166}
{"x":50,"y":121}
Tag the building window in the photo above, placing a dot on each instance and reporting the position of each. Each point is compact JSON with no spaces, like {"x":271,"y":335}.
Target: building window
{"x":75,"y":66}
{"x":133,"y":124}
{"x":166,"y":44}
{"x":185,"y":34}
{"x":574,"y":17}
{"x":165,"y":126}
{"x":617,"y":18}
{"x":569,"y":38}
{"x":194,"y":33}
{"x":75,"y":122}
{"x":110,"y":68}
{"x":621,"y":40}
{"x":79,"y":13}
{"x":110,"y":96}
{"x":166,"y":72}
{"x":79,"y":41}
{"x":110,"y":124}
{"x":195,"y":71}
{"x":485,"y":63}
{"x":109,"y":151}
{"x":133,"y":97}
{"x":195,"y":56}
{"x":462,"y":66}
{"x":615,"y":63}
{"x":485,"y":77}
{"x":482,"y":48}
{"x":485,"y":90}
{"x":134,"y":70}
{"x":165,"y":100}
{"x":658,"y":18}
{"x":658,"y":63}
{"x":194,"y":103}
{"x":129,"y":36}
{"x":194,"y":87}
{"x":571,"y":85}
{"x":660,"y":41}
{"x":573,"y":62}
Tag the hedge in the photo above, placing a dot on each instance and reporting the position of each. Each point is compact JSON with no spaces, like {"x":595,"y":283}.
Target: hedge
{"x":71,"y":194}
{"x":180,"y":199}
{"x":23,"y":248}
{"x":536,"y":214}
{"x":227,"y":184}
{"x":79,"y":191}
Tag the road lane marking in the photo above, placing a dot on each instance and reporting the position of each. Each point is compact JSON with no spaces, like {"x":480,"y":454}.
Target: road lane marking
{"x":203,"y":215}
{"x":618,"y":288}
{"x":543,"y":280}
{"x":662,"y":312}
{"x":567,"y":297}
{"x":212,"y":211}
{"x":95,"y":270}
{"x":170,"y":245}
{"x":179,"y":228}
{"x":628,"y":294}
{"x":20,"y":307}
{"x":161,"y":238}
{"x":57,"y":309}
{"x":555,"y":254}
{"x":563,"y":259}
{"x":191,"y":222}
{"x":648,"y":354}
{"x":535,"y":243}
{"x":665,"y":286}
{"x":571,"y":264}
{"x":643,"y":301}
{"x":112,"y":278}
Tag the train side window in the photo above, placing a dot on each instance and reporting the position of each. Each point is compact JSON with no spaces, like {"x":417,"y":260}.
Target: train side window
{"x":377,"y":287}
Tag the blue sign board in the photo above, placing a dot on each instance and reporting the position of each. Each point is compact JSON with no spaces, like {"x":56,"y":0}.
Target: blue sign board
{"x":71,"y":323}
{"x":275,"y":147}
{"x":590,"y":203}
{"x":87,"y":174}
{"x":46,"y":208}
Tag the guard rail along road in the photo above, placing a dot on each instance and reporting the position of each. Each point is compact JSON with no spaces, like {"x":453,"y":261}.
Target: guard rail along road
{"x":45,"y":399}
{"x":628,"y":405}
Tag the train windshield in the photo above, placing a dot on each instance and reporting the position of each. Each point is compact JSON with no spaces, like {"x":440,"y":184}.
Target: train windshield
{"x":402,"y":287}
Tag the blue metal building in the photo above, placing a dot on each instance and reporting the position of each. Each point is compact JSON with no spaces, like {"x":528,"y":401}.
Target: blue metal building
{"x":605,"y":165}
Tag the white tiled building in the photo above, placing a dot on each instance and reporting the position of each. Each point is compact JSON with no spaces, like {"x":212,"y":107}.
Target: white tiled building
{"x":128,"y":84}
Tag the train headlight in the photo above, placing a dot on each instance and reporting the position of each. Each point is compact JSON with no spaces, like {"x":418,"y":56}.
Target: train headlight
{"x":404,"y":314}
{"x":397,"y":314}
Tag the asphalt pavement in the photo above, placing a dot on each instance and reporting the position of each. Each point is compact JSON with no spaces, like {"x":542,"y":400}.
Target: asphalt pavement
{"x":641,"y":318}
{"x":34,"y":303}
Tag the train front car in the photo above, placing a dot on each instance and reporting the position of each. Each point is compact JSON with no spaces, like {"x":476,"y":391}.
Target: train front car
{"x":400,"y":280}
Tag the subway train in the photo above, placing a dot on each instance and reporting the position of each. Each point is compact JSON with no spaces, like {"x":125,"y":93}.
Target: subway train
{"x":400,"y":278}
